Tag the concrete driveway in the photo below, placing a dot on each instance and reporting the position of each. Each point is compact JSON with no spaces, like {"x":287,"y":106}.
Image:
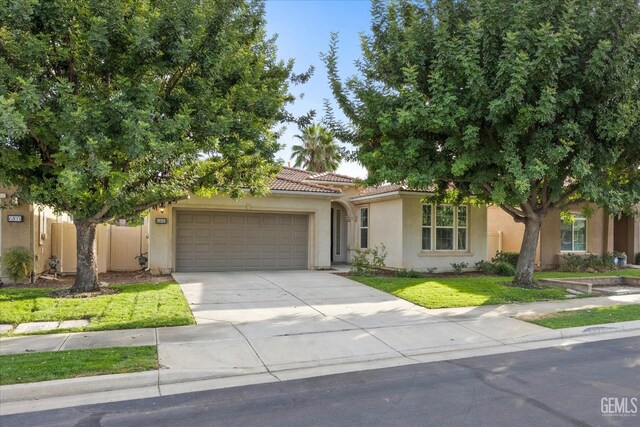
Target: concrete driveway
{"x":283,"y":323}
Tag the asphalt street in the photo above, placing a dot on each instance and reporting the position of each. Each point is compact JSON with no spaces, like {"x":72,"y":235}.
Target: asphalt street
{"x":594,"y":384}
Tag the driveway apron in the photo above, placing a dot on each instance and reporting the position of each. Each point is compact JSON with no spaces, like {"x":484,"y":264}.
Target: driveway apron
{"x":275,"y":321}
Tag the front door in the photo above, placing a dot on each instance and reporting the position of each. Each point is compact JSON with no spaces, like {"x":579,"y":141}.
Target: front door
{"x":338,"y":234}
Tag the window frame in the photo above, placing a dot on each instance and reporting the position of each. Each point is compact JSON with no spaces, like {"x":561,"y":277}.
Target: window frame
{"x":433,"y":226}
{"x":364,"y":228}
{"x":576,"y":217}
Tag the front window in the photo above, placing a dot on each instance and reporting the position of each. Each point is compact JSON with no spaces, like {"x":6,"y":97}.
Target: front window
{"x":364,"y":228}
{"x":573,"y":234}
{"x":444,"y":227}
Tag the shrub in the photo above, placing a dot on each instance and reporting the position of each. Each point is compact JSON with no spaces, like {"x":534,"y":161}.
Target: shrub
{"x":638,"y":258}
{"x":485,"y":267}
{"x":409,"y":273}
{"x":572,"y":262}
{"x":17,"y":263}
{"x":430,"y":270}
{"x":459,"y":266}
{"x":595,"y":263}
{"x":508,"y":257}
{"x":504,"y":269}
{"x":366,"y":262}
{"x":607,"y":261}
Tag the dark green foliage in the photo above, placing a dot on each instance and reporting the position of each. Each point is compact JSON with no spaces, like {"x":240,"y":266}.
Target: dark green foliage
{"x":572,"y":262}
{"x":485,"y":267}
{"x":508,"y":257}
{"x":366,"y":262}
{"x":504,"y":269}
{"x":638,"y":258}
{"x":318,"y":152}
{"x":458,"y":267}
{"x":409,"y":273}
{"x":110,"y":108}
{"x":529,"y":105}
{"x":17,"y":263}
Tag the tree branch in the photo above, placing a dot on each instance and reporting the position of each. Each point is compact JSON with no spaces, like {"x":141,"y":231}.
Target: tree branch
{"x":518,"y":216}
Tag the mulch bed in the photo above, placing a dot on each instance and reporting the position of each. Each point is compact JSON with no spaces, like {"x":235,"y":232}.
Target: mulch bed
{"x":110,"y":278}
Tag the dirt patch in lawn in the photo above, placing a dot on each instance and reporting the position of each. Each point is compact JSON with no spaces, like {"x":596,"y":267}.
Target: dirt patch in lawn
{"x":110,"y":277}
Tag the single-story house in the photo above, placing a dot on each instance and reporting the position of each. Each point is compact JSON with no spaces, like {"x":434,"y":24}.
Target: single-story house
{"x":311,"y":221}
{"x":597,"y":234}
{"x":43,"y":232}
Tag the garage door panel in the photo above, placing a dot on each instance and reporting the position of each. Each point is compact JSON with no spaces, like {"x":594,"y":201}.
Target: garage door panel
{"x":223,"y":241}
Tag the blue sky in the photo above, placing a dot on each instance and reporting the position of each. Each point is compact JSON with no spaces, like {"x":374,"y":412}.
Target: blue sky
{"x":303,"y":28}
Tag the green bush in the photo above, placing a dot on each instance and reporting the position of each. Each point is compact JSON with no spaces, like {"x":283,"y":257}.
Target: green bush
{"x":638,"y":258}
{"x":508,"y":257}
{"x":607,"y":261}
{"x":572,"y":263}
{"x":409,"y":273}
{"x":485,"y":267}
{"x":504,"y":269}
{"x":459,"y":266}
{"x":595,"y":263}
{"x":17,"y":263}
{"x":366,"y":262}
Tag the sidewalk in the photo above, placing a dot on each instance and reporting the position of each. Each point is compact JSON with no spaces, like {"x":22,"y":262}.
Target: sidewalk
{"x":360,"y":336}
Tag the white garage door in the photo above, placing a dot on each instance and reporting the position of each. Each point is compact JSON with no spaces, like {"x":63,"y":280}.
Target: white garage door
{"x":228,"y":241}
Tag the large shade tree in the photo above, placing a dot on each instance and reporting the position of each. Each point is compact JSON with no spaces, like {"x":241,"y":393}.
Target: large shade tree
{"x":317,"y":151}
{"x":530,"y":105}
{"x":110,"y":108}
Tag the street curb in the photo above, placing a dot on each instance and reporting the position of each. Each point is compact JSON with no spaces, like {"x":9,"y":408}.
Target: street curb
{"x":72,"y":386}
{"x":139,"y":380}
{"x":602,"y":328}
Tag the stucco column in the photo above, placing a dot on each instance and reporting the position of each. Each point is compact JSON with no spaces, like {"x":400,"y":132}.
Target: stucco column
{"x":352,"y":236}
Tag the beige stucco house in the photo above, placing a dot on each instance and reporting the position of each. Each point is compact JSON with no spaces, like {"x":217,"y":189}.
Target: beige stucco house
{"x":28,"y":226}
{"x":597,"y":233}
{"x":312,"y":221}
{"x":45,"y":233}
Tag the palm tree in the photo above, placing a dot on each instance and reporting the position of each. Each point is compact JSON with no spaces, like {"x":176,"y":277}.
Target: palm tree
{"x":318,"y":151}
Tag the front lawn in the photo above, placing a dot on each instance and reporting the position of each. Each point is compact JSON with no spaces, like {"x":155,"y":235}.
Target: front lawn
{"x":458,"y":291}
{"x":55,"y":365}
{"x":135,"y":306}
{"x":591,"y":316}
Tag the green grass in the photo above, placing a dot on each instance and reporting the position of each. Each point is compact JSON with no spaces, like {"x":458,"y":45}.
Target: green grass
{"x":135,"y":306}
{"x":446,"y":292}
{"x":458,"y":291}
{"x":55,"y":365}
{"x":591,"y":316}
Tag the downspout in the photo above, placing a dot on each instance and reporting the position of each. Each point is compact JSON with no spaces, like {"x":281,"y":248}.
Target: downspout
{"x":32,"y":244}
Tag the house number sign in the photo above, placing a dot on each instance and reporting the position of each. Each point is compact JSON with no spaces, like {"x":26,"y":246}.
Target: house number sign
{"x":15,"y":218}
{"x":161,"y":220}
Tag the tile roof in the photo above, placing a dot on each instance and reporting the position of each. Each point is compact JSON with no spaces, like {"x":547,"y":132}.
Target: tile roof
{"x":294,"y":173}
{"x":331,"y":177}
{"x":388,"y":188}
{"x":282,"y":183}
{"x":294,"y":179}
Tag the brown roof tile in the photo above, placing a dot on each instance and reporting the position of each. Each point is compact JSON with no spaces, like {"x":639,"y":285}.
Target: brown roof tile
{"x":285,"y":184}
{"x":294,"y":173}
{"x":331,"y":177}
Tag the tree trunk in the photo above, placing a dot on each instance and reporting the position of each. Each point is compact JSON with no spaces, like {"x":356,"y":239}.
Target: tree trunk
{"x":87,"y":268}
{"x":527,"y":258}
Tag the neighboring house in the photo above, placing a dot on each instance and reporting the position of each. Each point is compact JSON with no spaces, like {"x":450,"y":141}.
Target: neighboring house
{"x":44,"y":233}
{"x":311,"y":221}
{"x":597,"y":233}
{"x":28,"y":226}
